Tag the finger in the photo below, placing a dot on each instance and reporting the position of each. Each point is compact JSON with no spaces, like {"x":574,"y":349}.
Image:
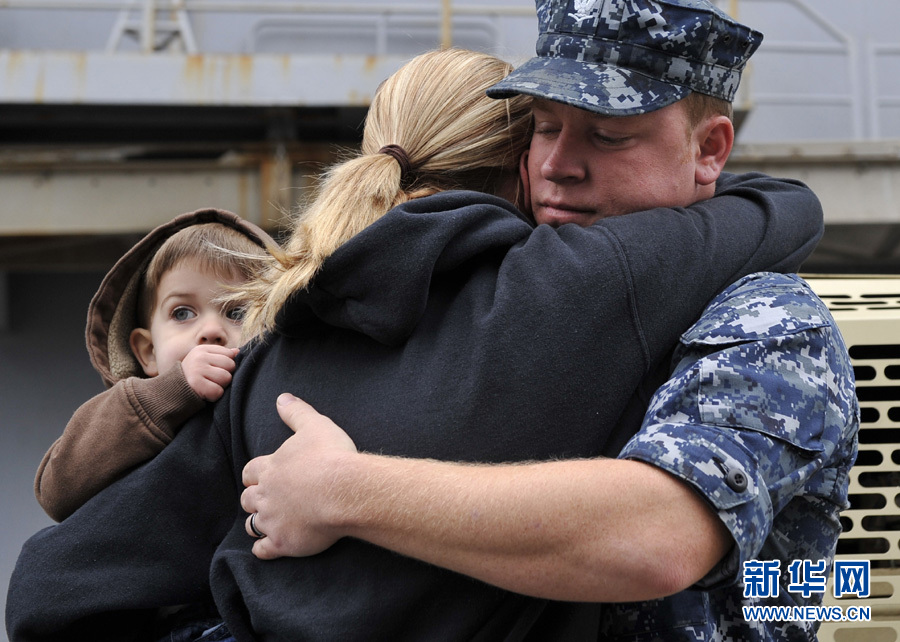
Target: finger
{"x":216,"y":368}
{"x":218,"y":376}
{"x":292,"y":410}
{"x":209,"y":383}
{"x":215,"y":348}
{"x":264,"y":549}
{"x":253,"y":528}
{"x":209,"y":390}
{"x":208,"y":349}
{"x":250,"y":474}
{"x":216,"y":361}
{"x":248,"y":499}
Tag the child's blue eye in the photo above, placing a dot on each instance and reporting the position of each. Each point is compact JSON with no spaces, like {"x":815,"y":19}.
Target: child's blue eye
{"x":235,"y":314}
{"x":183,"y":314}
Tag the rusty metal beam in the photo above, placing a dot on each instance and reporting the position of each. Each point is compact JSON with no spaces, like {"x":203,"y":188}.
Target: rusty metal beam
{"x":81,"y":193}
{"x":53,"y":77}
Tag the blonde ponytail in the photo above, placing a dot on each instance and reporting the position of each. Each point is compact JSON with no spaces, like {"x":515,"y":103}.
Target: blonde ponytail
{"x":434,"y":108}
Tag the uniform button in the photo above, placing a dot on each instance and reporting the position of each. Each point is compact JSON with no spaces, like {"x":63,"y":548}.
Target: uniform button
{"x":736,"y":480}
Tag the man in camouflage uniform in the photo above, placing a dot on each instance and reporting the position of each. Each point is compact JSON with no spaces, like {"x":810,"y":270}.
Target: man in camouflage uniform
{"x":760,"y":416}
{"x":757,"y":424}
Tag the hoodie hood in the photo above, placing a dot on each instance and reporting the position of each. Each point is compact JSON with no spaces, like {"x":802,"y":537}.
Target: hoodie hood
{"x":112,"y":313}
{"x":378,"y":283}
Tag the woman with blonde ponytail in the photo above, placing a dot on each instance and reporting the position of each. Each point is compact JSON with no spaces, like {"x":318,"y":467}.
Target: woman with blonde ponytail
{"x":421,"y":137}
{"x":430,"y":318}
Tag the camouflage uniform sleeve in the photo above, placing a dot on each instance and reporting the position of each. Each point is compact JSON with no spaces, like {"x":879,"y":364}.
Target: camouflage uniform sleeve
{"x":760,"y":403}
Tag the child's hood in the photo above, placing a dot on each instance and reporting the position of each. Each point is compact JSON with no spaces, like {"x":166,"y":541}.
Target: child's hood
{"x":112,"y":313}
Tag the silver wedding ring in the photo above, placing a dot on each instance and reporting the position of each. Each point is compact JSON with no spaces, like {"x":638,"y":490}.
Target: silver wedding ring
{"x":256,"y":532}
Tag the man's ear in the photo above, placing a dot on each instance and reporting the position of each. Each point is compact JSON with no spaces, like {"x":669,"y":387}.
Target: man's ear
{"x":525,"y":201}
{"x":142,"y":347}
{"x":715,"y":138}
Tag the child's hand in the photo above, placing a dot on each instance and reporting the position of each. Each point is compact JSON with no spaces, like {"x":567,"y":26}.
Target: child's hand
{"x":208,"y":369}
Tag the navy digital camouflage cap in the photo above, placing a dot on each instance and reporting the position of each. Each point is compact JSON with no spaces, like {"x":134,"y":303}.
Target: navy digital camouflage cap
{"x":626,"y":57}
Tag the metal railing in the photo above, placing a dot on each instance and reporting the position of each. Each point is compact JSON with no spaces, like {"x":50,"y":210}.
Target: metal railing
{"x":147,"y":25}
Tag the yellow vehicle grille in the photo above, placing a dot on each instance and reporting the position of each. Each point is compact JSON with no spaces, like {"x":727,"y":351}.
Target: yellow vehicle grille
{"x":867,"y":311}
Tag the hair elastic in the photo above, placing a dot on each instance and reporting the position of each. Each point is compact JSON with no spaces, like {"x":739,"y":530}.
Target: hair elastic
{"x":400,"y":155}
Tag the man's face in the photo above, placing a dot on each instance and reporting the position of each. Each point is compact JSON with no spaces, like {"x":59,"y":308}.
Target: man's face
{"x":582,"y":167}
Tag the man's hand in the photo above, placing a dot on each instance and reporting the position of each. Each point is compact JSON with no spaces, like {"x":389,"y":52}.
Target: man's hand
{"x":290,"y":489}
{"x":586,"y":530}
{"x":208,"y":369}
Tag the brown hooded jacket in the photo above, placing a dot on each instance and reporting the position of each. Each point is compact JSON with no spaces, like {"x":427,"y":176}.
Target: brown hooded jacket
{"x":136,"y":417}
